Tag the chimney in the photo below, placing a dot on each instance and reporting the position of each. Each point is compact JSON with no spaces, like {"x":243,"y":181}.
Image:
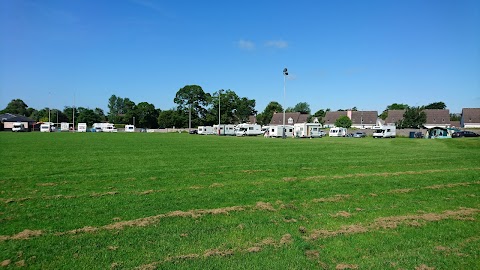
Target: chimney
{"x":349,"y":114}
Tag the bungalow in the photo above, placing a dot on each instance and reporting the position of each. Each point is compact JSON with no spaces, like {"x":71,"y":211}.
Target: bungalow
{"x":393,"y":116}
{"x":9,"y":119}
{"x":437,"y":118}
{"x":360,"y":119}
{"x":470,"y":118}
{"x":290,"y":118}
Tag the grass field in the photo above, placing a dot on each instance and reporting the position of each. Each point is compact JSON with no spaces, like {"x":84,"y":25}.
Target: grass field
{"x":179,"y":201}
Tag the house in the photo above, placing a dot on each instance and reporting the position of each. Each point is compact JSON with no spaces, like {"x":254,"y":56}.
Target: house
{"x":9,"y":119}
{"x":360,"y":119}
{"x":470,"y":118}
{"x":331,"y":117}
{"x":363,"y":119}
{"x":290,"y":118}
{"x":393,"y":116}
{"x":437,"y":118}
{"x":252,"y":119}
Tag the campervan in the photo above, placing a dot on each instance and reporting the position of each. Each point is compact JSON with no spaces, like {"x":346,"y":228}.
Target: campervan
{"x":224,"y":130}
{"x":205,"y":130}
{"x":46,"y":127}
{"x":129,"y":128}
{"x":308,"y":130}
{"x":382,"y":131}
{"x":277,"y":131}
{"x":248,"y":130}
{"x":18,"y":127}
{"x":82,"y":127}
{"x":337,"y":132}
{"x":104,"y":127}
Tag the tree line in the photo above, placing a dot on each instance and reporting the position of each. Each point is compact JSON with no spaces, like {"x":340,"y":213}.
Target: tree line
{"x":195,"y":107}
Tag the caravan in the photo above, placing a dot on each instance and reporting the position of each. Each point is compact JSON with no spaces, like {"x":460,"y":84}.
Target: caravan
{"x":82,"y":127}
{"x":104,"y":127}
{"x":308,"y":130}
{"x":129,"y":128}
{"x":384,"y":131}
{"x":18,"y":127}
{"x":205,"y":130}
{"x":248,"y":130}
{"x":224,"y":130}
{"x":277,"y":131}
{"x":337,"y":132}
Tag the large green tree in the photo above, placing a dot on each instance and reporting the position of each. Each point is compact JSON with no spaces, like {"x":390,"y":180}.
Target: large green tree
{"x":414,"y":117}
{"x":172,"y":118}
{"x":192,"y":99}
{"x":265,"y":117}
{"x":343,"y":121}
{"x":147,"y":115}
{"x":88,"y":116}
{"x":16,"y":106}
{"x":436,"y":105}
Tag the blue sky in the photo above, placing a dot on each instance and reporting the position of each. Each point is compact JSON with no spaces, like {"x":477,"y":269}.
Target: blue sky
{"x":339,"y":54}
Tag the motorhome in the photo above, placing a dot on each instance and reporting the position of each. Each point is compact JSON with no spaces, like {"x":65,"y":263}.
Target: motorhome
{"x":337,"y":132}
{"x":46,"y":127}
{"x":248,"y":130}
{"x":82,"y":127}
{"x":205,"y":130}
{"x":104,"y":127}
{"x":129,"y":128}
{"x":18,"y":127}
{"x":277,"y":131}
{"x":224,"y":130}
{"x":384,"y":131}
{"x":308,"y":130}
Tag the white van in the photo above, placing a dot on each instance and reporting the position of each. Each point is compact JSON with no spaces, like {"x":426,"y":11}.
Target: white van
{"x":277,"y":131}
{"x":337,"y":132}
{"x":18,"y":127}
{"x":129,"y":128}
{"x":205,"y":130}
{"x":248,"y":130}
{"x":308,"y":130}
{"x":384,"y":131}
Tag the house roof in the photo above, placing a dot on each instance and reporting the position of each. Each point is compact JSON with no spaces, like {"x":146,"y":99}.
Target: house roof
{"x":440,"y":117}
{"x":9,"y":117}
{"x":364,"y":117}
{"x":331,"y":117}
{"x":471,"y":115}
{"x":394,"y":116}
{"x":277,"y":118}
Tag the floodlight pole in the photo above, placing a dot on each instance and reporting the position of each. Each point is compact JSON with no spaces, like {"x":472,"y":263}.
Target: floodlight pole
{"x":285,"y":73}
{"x":219,"y":94}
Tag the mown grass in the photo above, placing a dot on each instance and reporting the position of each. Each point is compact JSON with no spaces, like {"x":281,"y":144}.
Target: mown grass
{"x":178,"y":201}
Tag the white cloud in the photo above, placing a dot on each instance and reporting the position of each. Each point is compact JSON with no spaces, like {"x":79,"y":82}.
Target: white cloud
{"x":279,"y":44}
{"x":245,"y":44}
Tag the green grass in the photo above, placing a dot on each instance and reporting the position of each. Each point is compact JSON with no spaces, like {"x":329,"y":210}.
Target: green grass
{"x":208,"y":202}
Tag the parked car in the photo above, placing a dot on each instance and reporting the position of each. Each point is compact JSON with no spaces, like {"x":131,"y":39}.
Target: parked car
{"x":359,"y":134}
{"x":465,"y":133}
{"x":193,"y":131}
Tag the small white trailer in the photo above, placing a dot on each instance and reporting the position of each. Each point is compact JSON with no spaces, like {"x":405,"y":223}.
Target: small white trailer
{"x":228,"y":130}
{"x":308,"y":130}
{"x":82,"y":127}
{"x":248,"y":130}
{"x":46,"y":127}
{"x":205,"y":130}
{"x":277,"y":131}
{"x":18,"y":127}
{"x":337,"y":132}
{"x":129,"y":128}
{"x":382,"y":131}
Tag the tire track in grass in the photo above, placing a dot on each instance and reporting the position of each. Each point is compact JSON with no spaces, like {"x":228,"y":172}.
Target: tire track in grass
{"x":391,"y":222}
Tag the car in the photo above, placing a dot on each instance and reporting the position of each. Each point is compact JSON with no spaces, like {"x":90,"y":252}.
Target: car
{"x":359,"y":134}
{"x":193,"y":131}
{"x":465,"y":133}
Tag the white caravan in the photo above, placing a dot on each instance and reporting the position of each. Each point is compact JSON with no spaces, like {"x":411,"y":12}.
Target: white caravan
{"x":277,"y":131}
{"x":18,"y":127}
{"x":82,"y":127}
{"x":46,"y":127}
{"x":129,"y":128}
{"x":384,"y":131}
{"x":337,"y":132}
{"x":248,"y":130}
{"x":205,"y":130}
{"x":224,"y":130}
{"x":104,"y":127}
{"x":308,"y":130}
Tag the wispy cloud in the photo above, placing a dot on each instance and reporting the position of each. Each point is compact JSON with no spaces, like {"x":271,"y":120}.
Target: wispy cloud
{"x":279,"y":44}
{"x":245,"y":44}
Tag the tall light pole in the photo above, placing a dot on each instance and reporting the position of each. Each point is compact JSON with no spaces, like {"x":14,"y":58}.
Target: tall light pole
{"x":219,"y":94}
{"x":49,"y":122}
{"x":285,"y":74}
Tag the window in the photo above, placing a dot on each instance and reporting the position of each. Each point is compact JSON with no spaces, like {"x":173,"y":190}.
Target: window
{"x":250,"y":128}
{"x":290,"y":120}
